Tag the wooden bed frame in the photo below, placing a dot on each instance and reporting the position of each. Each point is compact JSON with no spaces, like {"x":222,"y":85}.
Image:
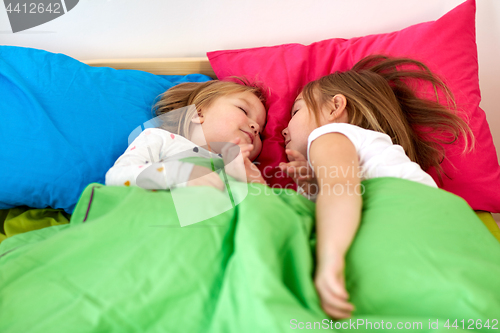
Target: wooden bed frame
{"x":159,"y":66}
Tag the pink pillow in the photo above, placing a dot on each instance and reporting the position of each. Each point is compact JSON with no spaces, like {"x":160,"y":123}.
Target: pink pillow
{"x":447,"y":46}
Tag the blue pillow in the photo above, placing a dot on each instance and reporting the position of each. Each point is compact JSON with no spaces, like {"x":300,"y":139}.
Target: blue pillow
{"x":64,"y":123}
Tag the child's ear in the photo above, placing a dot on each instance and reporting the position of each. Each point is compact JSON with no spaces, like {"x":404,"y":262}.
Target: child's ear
{"x":338,"y":112}
{"x":198,"y":118}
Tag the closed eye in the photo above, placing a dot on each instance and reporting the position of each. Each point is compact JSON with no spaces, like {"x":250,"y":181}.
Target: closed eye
{"x":294,"y":112}
{"x":242,"y":110}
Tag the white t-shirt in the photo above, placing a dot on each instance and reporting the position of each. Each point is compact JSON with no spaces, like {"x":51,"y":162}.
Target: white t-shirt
{"x":378,"y":156}
{"x":152,"y":161}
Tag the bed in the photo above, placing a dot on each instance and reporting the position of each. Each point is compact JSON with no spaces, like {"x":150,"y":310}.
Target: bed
{"x":84,"y":257}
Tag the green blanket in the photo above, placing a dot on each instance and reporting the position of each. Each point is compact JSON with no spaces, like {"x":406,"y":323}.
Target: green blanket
{"x":125,"y":264}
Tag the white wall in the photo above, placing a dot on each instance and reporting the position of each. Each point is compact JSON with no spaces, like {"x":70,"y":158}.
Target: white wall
{"x":156,"y":28}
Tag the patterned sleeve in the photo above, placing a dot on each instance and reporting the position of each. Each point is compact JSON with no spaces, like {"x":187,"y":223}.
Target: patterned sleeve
{"x":142,"y":163}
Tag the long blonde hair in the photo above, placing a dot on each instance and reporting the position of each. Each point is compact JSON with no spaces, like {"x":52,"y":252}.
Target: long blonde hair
{"x":381,"y":96}
{"x":201,"y":95}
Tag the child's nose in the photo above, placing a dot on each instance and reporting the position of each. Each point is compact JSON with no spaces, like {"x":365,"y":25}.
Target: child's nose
{"x":255,"y":127}
{"x":285,"y":132}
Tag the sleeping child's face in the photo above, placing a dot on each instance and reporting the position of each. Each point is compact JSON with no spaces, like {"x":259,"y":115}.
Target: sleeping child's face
{"x":303,"y":120}
{"x":239,"y":115}
{"x":300,"y":126}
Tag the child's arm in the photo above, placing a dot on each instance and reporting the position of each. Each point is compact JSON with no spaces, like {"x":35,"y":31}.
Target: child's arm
{"x":141,"y":165}
{"x":140,"y":154}
{"x":338,"y":212}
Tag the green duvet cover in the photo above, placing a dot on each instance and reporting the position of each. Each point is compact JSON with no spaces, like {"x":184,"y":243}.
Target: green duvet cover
{"x":421,"y":261}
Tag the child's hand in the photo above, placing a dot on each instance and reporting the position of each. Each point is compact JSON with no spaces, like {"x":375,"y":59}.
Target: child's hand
{"x":238,"y":165}
{"x":330,"y":284}
{"x":300,"y":171}
{"x":201,"y":176}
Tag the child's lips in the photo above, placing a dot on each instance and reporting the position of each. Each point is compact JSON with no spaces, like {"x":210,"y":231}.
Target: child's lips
{"x":249,"y":135}
{"x":287,"y":142}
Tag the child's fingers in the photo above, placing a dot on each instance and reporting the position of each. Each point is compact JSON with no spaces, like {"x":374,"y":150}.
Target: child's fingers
{"x":298,"y":168}
{"x":330,"y":287}
{"x":291,"y":172}
{"x":335,"y":298}
{"x":327,"y":279}
{"x":294,"y":163}
{"x":296,"y":171}
{"x":336,"y":286}
{"x":339,"y":305}
{"x":230,"y":150}
{"x":335,"y":312}
{"x":334,"y":305}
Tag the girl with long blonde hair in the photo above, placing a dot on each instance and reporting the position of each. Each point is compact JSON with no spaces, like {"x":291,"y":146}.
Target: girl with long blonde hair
{"x":364,"y":123}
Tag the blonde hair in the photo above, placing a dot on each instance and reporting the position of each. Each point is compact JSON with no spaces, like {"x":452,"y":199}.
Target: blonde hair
{"x":200,"y":94}
{"x":381,"y":96}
